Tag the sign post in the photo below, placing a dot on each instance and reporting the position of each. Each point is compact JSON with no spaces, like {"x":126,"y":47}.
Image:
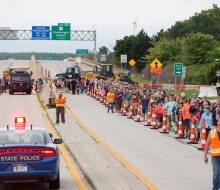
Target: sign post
{"x":124,"y":59}
{"x":155,"y":67}
{"x":103,"y":57}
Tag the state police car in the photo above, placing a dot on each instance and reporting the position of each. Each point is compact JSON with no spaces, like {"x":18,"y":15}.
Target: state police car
{"x":29,"y":154}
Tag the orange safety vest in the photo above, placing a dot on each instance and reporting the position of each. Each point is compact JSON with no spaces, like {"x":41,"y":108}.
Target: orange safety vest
{"x":110,"y":97}
{"x":60,"y":101}
{"x":215,"y":143}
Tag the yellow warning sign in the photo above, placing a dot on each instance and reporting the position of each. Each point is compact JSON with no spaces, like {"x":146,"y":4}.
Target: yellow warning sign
{"x":132,"y":62}
{"x":156,"y":64}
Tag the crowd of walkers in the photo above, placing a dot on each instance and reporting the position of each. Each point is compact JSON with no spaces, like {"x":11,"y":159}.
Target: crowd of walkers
{"x":117,"y":93}
{"x":194,"y":108}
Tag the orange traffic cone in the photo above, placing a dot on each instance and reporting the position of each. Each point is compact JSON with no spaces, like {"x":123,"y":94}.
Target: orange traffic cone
{"x":180,"y":127}
{"x":124,"y":108}
{"x":138,"y":119}
{"x":130,"y":112}
{"x":149,"y":116}
{"x":203,"y":136}
{"x":154,"y":120}
{"x":164,"y":127}
{"x":192,"y":133}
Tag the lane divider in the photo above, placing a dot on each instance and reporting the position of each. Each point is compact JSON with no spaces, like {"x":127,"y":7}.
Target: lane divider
{"x":111,"y":151}
{"x":62,"y":149}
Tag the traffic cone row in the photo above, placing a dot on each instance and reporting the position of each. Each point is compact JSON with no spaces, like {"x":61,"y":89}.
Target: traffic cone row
{"x":152,"y":120}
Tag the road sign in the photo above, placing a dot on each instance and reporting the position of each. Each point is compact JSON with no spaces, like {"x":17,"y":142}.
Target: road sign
{"x":156,"y":64}
{"x":155,"y":70}
{"x":217,"y":73}
{"x":103,"y":57}
{"x":124,"y":58}
{"x":40,"y":32}
{"x":132,"y":62}
{"x":63,"y":24}
{"x":61,"y":32}
{"x":82,"y":51}
{"x":178,"y":69}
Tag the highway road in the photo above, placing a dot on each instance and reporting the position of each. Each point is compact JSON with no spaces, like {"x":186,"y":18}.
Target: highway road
{"x":166,"y":162}
{"x":130,"y":156}
{"x":12,"y":106}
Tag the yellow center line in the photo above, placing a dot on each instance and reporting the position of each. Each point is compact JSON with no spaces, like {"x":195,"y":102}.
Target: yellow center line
{"x":62,"y":150}
{"x":111,"y":151}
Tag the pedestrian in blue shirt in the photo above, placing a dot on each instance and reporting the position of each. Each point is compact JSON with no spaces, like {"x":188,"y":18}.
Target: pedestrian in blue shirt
{"x":207,"y":116}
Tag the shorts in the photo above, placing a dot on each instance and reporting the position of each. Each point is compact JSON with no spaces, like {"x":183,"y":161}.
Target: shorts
{"x":144,"y":110}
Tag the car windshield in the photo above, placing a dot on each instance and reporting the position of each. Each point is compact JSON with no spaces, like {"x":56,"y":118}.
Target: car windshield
{"x":22,"y":137}
{"x":20,"y":77}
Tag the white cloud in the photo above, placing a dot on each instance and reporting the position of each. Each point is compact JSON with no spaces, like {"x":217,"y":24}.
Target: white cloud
{"x":112,"y":18}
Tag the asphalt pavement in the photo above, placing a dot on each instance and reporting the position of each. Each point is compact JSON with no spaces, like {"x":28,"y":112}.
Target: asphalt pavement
{"x":12,"y":106}
{"x":165,"y":161}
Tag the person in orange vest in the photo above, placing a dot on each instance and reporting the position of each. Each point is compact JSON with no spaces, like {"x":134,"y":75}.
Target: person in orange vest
{"x":214,"y":142}
{"x":60,"y":107}
{"x":110,"y":97}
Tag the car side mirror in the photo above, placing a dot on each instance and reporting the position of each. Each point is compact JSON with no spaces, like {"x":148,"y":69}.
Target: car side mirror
{"x":50,"y":135}
{"x":57,"y":141}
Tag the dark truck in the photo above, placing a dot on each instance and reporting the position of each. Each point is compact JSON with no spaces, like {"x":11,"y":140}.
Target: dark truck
{"x":20,"y":81}
{"x":70,"y":73}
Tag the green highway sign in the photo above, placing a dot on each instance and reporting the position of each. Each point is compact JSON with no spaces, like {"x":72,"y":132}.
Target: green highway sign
{"x":61,"y":32}
{"x":82,"y":51}
{"x":178,"y":69}
{"x":63,"y":24}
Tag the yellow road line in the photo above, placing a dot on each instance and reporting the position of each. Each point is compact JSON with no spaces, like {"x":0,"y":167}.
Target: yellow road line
{"x":111,"y":151}
{"x":62,"y":150}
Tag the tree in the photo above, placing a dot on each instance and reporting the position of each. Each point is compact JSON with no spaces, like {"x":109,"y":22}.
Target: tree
{"x":135,"y":47}
{"x":103,"y":50}
{"x":206,"y":22}
{"x":167,"y":51}
{"x":198,"y":49}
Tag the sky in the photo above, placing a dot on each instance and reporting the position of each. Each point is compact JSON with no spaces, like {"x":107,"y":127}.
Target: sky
{"x":112,"y":19}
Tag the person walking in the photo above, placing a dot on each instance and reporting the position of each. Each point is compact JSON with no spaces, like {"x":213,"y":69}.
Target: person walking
{"x":73,"y":86}
{"x":214,"y":141}
{"x":110,"y":97}
{"x":60,"y":107}
{"x":207,"y":116}
{"x":169,"y":107}
{"x":186,"y":117}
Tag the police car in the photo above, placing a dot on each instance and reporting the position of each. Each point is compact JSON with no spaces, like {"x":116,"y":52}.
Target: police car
{"x":29,"y":154}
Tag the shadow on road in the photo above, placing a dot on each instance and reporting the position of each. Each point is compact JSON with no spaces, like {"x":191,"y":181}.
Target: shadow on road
{"x":24,"y":186}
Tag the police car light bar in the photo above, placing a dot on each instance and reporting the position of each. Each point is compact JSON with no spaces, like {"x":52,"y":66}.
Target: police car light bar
{"x":20,"y":120}
{"x":20,"y":123}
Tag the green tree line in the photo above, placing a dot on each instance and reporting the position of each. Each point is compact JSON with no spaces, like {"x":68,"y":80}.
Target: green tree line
{"x":195,"y":42}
